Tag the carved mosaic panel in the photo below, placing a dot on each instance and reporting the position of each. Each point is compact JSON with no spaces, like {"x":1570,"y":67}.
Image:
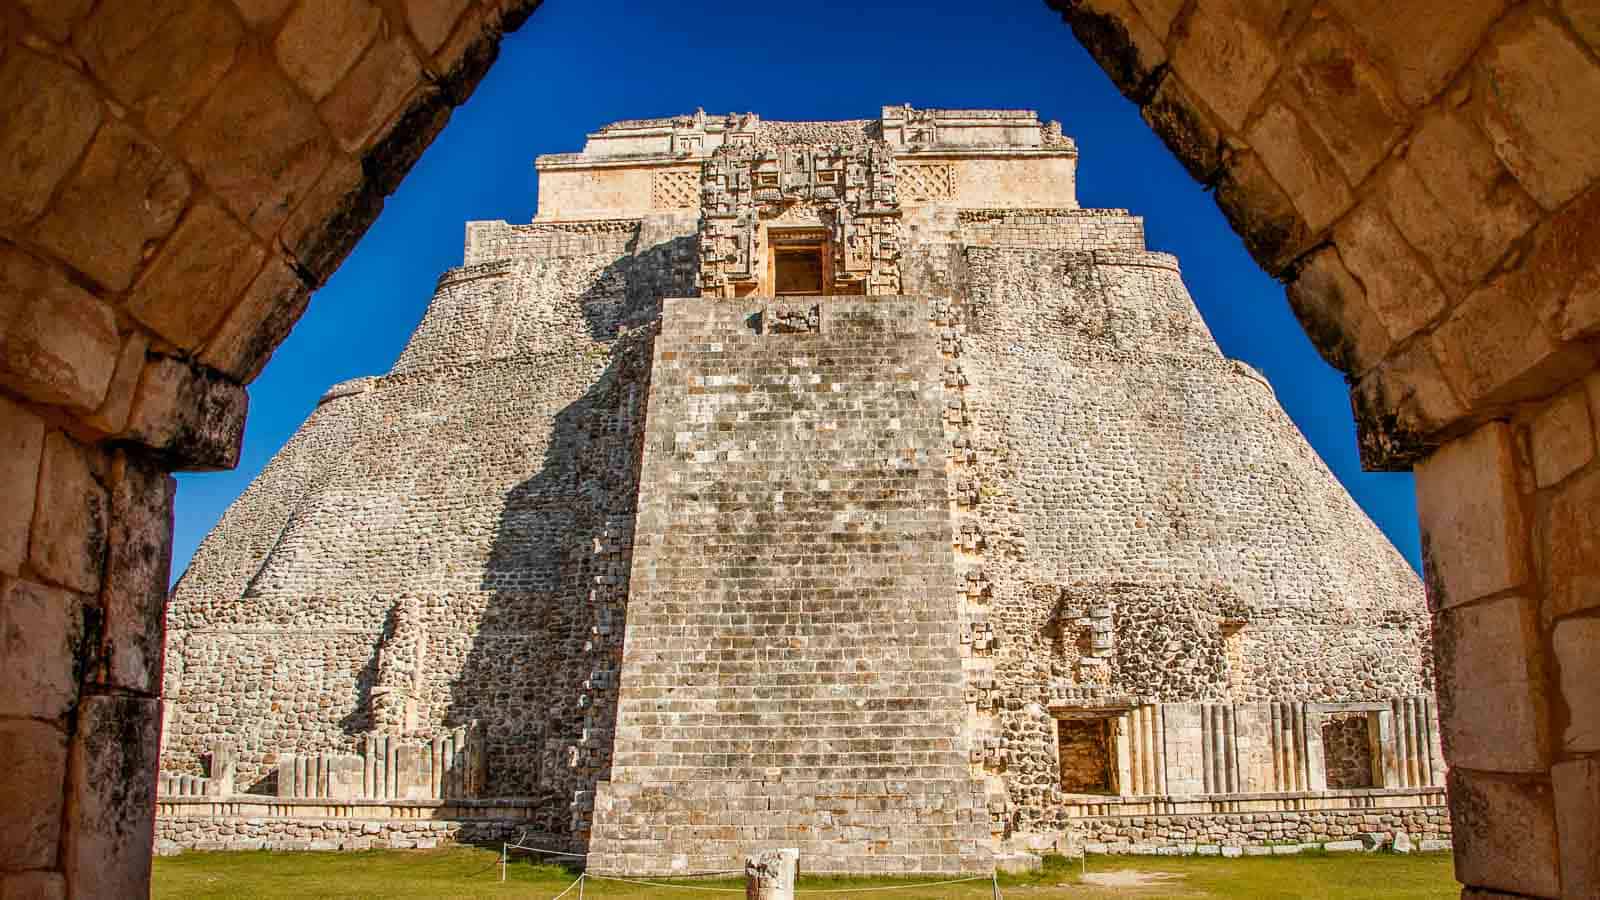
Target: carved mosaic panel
{"x":927,"y":181}
{"x":851,"y":191}
{"x":674,"y":189}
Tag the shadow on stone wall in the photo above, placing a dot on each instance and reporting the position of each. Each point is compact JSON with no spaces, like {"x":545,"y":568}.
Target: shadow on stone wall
{"x":541,"y":671}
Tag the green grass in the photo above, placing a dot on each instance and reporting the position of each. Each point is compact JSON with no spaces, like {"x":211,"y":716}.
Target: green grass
{"x":472,"y":872}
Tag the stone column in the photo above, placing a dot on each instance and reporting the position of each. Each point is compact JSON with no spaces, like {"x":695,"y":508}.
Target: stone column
{"x":769,"y":875}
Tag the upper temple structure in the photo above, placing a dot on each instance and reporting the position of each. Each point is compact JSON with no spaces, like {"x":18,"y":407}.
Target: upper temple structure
{"x":832,"y":485}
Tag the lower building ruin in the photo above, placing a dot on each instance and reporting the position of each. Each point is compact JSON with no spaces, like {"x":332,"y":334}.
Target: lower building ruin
{"x":833,"y":485}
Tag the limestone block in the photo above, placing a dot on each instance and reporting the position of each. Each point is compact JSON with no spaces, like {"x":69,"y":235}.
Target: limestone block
{"x":1569,"y":537}
{"x":1504,"y":833}
{"x":33,"y":886}
{"x":257,"y":142}
{"x":319,"y":43}
{"x":68,"y":541}
{"x":126,"y":195}
{"x":1495,"y":348}
{"x":211,"y":256}
{"x":112,"y":414}
{"x":1424,"y":48}
{"x":1117,"y":36}
{"x":259,"y":323}
{"x":1561,"y":437}
{"x":1261,"y":212}
{"x":21,"y":446}
{"x":1577,"y":791}
{"x":1186,"y":128}
{"x":31,"y":793}
{"x":41,"y":631}
{"x":51,"y":114}
{"x":58,"y":344}
{"x":1474,"y":542}
{"x":111,"y":789}
{"x":371,"y":94}
{"x":159,"y":60}
{"x":137,"y":571}
{"x":1399,"y":288}
{"x":1576,"y":645}
{"x":1455,"y":202}
{"x":1297,"y":158}
{"x":1344,"y":98}
{"x":1228,"y":52}
{"x":1333,"y":310}
{"x":1400,"y":405}
{"x":1533,"y":85}
{"x":189,"y":414}
{"x":769,"y":875}
{"x":1493,"y":700}
{"x":334,"y":215}
{"x":432,"y":20}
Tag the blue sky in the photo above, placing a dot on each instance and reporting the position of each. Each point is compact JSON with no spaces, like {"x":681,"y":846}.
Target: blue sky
{"x":580,"y":63}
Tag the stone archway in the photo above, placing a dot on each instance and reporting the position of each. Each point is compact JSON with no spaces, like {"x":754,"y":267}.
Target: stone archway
{"x":175,"y":178}
{"x":1425,"y":185}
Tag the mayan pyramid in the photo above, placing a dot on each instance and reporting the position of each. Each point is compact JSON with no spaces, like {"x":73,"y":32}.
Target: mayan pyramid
{"x":835,"y":485}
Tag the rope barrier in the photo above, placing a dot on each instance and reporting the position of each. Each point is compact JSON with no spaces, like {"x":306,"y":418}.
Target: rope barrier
{"x":569,"y":888}
{"x":667,"y":884}
{"x":895,"y":887}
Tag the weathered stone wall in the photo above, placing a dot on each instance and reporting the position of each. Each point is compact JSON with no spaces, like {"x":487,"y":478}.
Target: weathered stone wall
{"x":1261,"y":833}
{"x":471,"y":486}
{"x":792,"y":676}
{"x":1347,"y":749}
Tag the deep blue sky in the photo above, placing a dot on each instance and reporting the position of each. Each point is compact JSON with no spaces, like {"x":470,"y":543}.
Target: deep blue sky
{"x":580,"y":63}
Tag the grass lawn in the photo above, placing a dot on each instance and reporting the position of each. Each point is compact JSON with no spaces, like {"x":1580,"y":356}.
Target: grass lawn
{"x":473,"y":872}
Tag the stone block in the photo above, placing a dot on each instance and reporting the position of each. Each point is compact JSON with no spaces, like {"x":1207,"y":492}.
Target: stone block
{"x":58,"y":344}
{"x":1300,"y":162}
{"x":1227,"y":52}
{"x":1504,"y":833}
{"x":111,"y":790}
{"x":1332,"y":308}
{"x":125,"y":196}
{"x":1260,"y":212}
{"x":191,"y":416}
{"x":1343,"y":847}
{"x":1494,"y":705}
{"x":1569,"y":538}
{"x":319,"y":43}
{"x":1576,"y":646}
{"x":1400,"y":405}
{"x":1577,"y":791}
{"x":1399,"y":287}
{"x":21,"y":446}
{"x":201,"y":272}
{"x":139,"y":563}
{"x":51,"y":114}
{"x":1561,"y":437}
{"x":258,"y":323}
{"x":1186,"y":128}
{"x":1344,"y":98}
{"x":33,"y":886}
{"x":112,"y":414}
{"x":31,"y":793}
{"x":68,"y":541}
{"x":433,"y":20}
{"x":1496,"y":349}
{"x":160,"y":59}
{"x":1422,"y":49}
{"x":371,"y":94}
{"x":323,"y":231}
{"x":257,"y":142}
{"x":1117,"y":37}
{"x":1475,"y":542}
{"x":41,"y":642}
{"x":1533,"y":91}
{"x":1455,"y":202}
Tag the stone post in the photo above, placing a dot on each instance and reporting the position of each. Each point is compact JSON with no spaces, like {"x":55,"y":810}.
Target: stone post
{"x":769,"y":875}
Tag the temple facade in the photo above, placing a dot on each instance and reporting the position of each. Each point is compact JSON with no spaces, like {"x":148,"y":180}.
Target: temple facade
{"x":833,"y":485}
